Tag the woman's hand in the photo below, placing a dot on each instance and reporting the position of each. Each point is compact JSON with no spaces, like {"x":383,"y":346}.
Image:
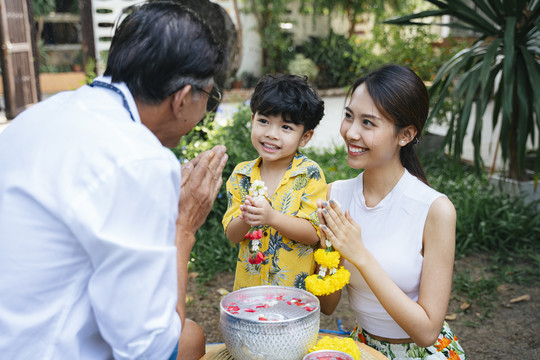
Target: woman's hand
{"x":342,"y":231}
{"x":322,"y":222}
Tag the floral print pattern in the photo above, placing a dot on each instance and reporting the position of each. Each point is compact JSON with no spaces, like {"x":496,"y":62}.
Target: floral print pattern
{"x":446,"y":346}
{"x":287,"y":262}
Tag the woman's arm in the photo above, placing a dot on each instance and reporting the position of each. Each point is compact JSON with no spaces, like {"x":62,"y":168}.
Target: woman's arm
{"x":423,"y":319}
{"x":330,"y":302}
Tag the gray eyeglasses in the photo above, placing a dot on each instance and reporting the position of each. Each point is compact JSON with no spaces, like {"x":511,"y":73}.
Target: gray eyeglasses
{"x":214,"y":98}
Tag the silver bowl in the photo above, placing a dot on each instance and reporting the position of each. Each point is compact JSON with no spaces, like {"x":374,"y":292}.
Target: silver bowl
{"x":269,"y":322}
{"x":328,"y":355}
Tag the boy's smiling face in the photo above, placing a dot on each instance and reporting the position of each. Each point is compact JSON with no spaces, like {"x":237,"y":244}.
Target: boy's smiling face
{"x":277,"y":140}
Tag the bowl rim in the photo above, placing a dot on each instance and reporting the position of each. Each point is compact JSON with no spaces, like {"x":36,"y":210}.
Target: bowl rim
{"x":277,"y":287}
{"x":326,"y":351}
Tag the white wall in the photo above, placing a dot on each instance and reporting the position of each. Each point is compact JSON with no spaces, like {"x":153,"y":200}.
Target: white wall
{"x":104,"y":25}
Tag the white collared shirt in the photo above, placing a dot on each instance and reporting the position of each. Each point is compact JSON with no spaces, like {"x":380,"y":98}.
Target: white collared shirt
{"x":88,"y":206}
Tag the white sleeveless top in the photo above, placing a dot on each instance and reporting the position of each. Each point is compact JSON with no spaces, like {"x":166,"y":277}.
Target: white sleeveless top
{"x":392,"y":232}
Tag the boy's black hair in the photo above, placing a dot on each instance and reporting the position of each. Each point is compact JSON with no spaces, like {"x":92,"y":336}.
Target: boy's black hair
{"x":160,"y":47}
{"x":291,"y":97}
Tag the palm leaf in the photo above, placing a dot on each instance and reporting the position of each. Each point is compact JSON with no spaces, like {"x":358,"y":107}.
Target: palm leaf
{"x":489,"y":59}
{"x":533,"y":71}
{"x":406,"y":19}
{"x":501,"y":65}
{"x":508,"y":76}
{"x":523,"y":108}
{"x":486,"y":8}
{"x":464,"y":13}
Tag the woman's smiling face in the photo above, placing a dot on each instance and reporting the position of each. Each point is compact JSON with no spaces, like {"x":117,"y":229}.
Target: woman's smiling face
{"x":371,"y":138}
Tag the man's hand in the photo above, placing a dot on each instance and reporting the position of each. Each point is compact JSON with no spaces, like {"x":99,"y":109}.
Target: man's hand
{"x":201,"y":180}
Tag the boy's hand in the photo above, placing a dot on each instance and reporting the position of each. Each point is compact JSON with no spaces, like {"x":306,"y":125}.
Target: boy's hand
{"x":256,"y":212}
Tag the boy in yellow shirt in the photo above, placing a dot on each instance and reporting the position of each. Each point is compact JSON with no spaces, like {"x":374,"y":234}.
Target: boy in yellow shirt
{"x":285,"y":111}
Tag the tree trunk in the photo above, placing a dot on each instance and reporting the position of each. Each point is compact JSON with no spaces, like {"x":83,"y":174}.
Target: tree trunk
{"x":351,"y":14}
{"x":239,"y":32}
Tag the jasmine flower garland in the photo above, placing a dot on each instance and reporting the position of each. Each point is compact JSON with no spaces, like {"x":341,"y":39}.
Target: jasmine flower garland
{"x":329,"y":279}
{"x":258,"y":191}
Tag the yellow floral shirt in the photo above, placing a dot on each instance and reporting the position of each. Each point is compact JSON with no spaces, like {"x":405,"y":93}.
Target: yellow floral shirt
{"x":287,"y":262}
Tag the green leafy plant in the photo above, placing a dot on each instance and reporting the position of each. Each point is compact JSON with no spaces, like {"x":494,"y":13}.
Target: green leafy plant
{"x":303,"y":66}
{"x":249,"y":79}
{"x":417,"y":48}
{"x":278,"y":44}
{"x":501,"y":65}
{"x":43,"y":7}
{"x":486,"y":220}
{"x":352,"y":9}
{"x":333,"y":55}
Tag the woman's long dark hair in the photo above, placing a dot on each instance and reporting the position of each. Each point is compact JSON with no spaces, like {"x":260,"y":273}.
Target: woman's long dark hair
{"x":401,"y":96}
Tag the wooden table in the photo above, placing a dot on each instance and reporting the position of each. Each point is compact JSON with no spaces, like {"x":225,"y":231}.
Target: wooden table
{"x":220,"y":352}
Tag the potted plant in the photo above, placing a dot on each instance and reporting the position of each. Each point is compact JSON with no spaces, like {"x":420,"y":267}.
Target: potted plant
{"x":501,"y":65}
{"x":237,"y":83}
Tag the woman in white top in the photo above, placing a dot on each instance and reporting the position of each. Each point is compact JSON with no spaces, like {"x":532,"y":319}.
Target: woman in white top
{"x":396,"y":233}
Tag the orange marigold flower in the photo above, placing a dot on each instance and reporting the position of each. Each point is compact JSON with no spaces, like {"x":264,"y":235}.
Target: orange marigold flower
{"x":362,"y":338}
{"x":442,"y":343}
{"x":454,"y":355}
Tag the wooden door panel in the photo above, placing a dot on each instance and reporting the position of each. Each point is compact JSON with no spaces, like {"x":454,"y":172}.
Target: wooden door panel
{"x":19,"y":77}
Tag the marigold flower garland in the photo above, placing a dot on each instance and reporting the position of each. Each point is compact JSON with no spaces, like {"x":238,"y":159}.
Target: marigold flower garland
{"x":329,"y":279}
{"x":346,"y":345}
{"x":258,"y":191}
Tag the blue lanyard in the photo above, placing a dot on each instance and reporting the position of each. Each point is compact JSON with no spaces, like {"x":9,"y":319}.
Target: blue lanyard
{"x":116,"y":90}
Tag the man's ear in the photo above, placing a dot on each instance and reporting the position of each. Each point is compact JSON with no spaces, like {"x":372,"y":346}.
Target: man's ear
{"x":178,"y":99}
{"x":407,"y":135}
{"x":306,"y":137}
